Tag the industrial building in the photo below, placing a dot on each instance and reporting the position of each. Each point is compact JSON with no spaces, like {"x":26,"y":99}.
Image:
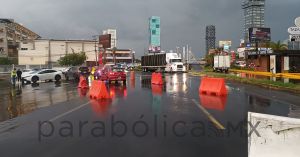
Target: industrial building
{"x":154,"y":31}
{"x":11,"y":35}
{"x":48,"y":51}
{"x":254,"y":15}
{"x":210,"y":38}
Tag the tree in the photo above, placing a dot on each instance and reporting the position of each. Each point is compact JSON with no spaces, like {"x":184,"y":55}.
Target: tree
{"x":72,"y":59}
{"x":278,"y":45}
{"x":209,"y":60}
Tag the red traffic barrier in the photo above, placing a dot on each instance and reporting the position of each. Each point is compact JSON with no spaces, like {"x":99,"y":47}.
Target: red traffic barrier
{"x":157,"y":79}
{"x":213,"y":102}
{"x":82,"y":83}
{"x":213,"y":86}
{"x":99,"y":91}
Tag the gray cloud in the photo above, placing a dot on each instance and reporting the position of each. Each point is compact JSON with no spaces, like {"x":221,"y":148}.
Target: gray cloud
{"x":183,"y":21}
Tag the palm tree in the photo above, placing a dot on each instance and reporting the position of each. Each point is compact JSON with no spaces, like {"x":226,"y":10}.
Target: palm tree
{"x":114,"y":54}
{"x":278,"y":45}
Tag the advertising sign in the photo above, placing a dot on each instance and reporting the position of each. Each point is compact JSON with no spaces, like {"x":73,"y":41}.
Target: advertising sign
{"x":225,"y":43}
{"x":297,"y":21}
{"x":259,"y":34}
{"x":286,"y":63}
{"x":154,"y":49}
{"x":294,"y":37}
{"x":273,"y":64}
{"x":294,"y":30}
{"x":105,"y":41}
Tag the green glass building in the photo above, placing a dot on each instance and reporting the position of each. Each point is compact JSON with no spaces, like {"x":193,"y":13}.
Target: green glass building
{"x":154,"y":30}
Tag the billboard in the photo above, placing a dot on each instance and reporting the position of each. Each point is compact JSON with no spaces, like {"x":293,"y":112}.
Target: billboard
{"x":259,"y":34}
{"x":226,"y":45}
{"x":154,"y":49}
{"x":105,"y":41}
{"x":294,"y":37}
{"x":294,"y":30}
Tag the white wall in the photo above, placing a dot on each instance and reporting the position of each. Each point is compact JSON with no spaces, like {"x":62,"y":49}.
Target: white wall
{"x":277,"y":136}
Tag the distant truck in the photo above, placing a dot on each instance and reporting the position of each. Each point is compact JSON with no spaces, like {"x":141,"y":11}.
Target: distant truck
{"x":221,"y":63}
{"x":166,"y":62}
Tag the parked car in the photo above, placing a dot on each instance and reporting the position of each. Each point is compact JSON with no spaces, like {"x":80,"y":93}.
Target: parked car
{"x":72,"y":73}
{"x":43,"y":75}
{"x":241,"y":64}
{"x":110,"y":74}
{"x":26,"y":72}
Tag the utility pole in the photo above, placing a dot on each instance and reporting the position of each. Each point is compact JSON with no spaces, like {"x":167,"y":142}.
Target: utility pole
{"x":96,"y":54}
{"x":49,"y":54}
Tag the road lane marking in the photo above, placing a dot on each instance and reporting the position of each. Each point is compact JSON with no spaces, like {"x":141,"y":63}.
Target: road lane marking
{"x":68,"y":112}
{"x":210,"y":117}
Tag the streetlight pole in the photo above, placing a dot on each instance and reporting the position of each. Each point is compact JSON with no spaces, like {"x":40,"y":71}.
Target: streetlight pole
{"x":96,"y":54}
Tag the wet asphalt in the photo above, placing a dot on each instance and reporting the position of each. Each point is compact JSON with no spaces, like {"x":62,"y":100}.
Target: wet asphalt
{"x":140,"y":119}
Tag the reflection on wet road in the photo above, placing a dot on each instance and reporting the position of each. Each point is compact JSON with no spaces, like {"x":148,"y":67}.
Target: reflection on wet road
{"x":23,"y":99}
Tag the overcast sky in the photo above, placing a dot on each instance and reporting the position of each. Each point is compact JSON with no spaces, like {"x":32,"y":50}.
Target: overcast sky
{"x":183,"y":21}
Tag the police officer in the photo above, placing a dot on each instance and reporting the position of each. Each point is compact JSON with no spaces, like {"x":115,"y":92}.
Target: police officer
{"x":13,"y":76}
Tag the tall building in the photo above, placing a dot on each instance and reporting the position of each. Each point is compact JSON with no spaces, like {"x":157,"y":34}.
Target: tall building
{"x":210,"y":38}
{"x":254,"y":15}
{"x":154,"y":30}
{"x":113,"y":33}
{"x":11,"y":35}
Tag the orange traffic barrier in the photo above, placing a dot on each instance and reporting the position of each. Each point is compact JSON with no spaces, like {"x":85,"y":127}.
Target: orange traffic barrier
{"x":157,"y":79}
{"x":213,"y":86}
{"x":99,"y":91}
{"x":82,"y":82}
{"x":213,"y":102}
{"x":132,"y":75}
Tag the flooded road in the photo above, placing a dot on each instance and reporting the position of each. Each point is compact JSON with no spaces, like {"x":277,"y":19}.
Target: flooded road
{"x":139,"y":119}
{"x":23,"y":99}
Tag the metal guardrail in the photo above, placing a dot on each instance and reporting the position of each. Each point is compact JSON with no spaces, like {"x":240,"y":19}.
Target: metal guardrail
{"x":283,"y":75}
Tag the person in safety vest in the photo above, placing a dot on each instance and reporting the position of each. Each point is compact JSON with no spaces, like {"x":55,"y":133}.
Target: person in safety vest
{"x":13,"y":76}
